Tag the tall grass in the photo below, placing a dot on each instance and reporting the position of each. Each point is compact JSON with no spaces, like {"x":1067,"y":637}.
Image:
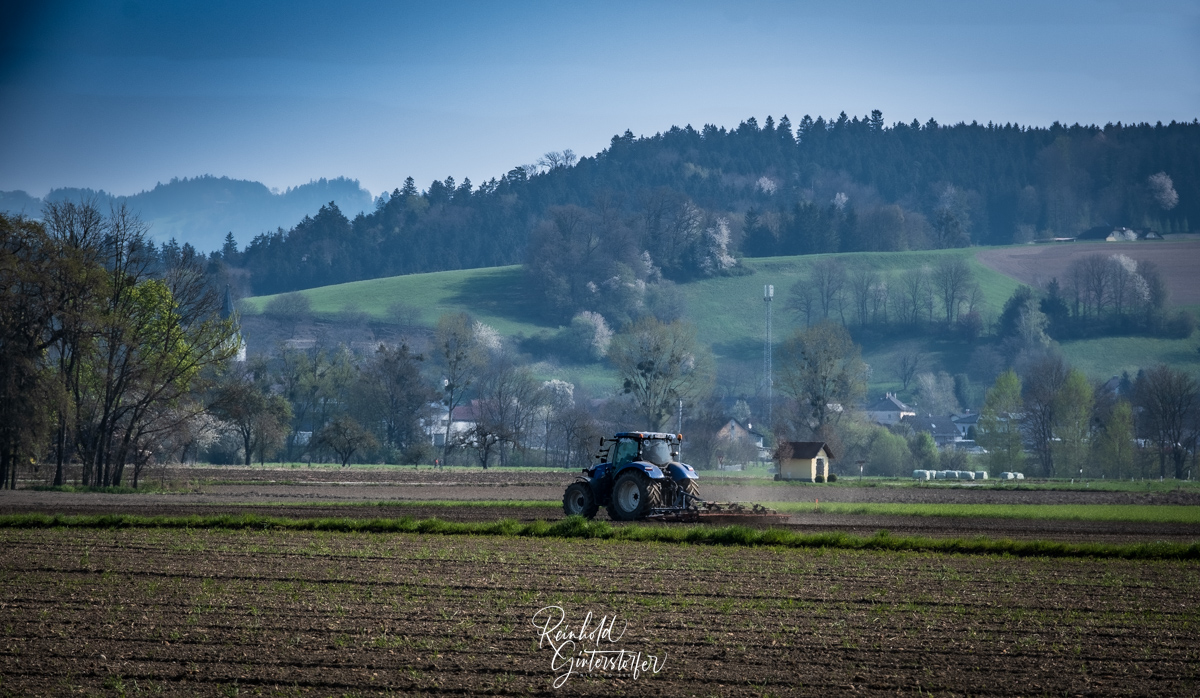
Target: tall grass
{"x":576,"y":527}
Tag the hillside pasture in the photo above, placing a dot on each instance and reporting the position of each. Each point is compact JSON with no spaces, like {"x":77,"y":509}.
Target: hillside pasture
{"x":729,"y":314}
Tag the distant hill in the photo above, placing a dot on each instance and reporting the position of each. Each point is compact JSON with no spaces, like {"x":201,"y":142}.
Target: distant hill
{"x":201,"y":210}
{"x":683,"y":202}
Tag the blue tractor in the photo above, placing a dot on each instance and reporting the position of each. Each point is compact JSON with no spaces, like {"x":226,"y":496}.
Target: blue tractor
{"x":638,"y":477}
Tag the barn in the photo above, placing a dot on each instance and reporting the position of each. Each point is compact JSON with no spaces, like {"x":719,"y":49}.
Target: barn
{"x":804,"y":460}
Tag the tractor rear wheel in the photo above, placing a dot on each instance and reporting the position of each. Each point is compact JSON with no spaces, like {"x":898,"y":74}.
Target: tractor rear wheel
{"x":692,"y":488}
{"x":633,"y":496}
{"x":579,"y":501}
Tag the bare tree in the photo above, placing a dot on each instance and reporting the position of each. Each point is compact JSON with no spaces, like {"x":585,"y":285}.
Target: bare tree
{"x":936,"y":393}
{"x":952,"y":278}
{"x":829,"y":281}
{"x":1043,"y":381}
{"x":821,"y":367}
{"x":863,"y":282}
{"x":460,"y":357}
{"x":908,"y":366}
{"x":802,"y":301}
{"x":1169,"y":401}
{"x":914,"y":285}
{"x":1090,"y":278}
{"x":659,"y":364}
{"x":508,"y":401}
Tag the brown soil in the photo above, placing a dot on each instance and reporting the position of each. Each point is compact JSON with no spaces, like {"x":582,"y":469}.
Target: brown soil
{"x":1036,"y":265}
{"x":222,"y":613}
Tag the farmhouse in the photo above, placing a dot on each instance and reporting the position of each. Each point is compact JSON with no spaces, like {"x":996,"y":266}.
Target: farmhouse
{"x":965,"y":422}
{"x":804,"y":460}
{"x":465,"y":417}
{"x":734,"y":432}
{"x":943,"y":429}
{"x":888,"y":410}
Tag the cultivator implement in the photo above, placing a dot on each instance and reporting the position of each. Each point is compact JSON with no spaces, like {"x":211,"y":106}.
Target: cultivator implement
{"x":696,"y":510}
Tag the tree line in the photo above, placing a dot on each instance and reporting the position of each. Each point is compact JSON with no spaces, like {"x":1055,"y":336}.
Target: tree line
{"x":104,"y":349}
{"x":1054,"y":419}
{"x":695,"y":200}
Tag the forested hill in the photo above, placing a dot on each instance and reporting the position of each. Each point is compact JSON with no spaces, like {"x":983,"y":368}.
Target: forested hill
{"x":686,"y":202}
{"x":200,"y":211}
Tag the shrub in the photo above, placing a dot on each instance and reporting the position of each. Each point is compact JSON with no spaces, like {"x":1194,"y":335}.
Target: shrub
{"x":832,"y":477}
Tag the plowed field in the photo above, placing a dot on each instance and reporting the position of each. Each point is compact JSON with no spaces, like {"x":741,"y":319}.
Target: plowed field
{"x":282,"y":613}
{"x":397,"y":492}
{"x":1036,"y":265}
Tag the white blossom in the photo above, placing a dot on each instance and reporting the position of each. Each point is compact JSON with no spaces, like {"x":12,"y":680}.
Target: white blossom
{"x":1163,"y":190}
{"x":487,"y":336}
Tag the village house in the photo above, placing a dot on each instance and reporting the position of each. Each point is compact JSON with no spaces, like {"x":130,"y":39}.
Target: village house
{"x":465,"y":417}
{"x":807,"y":461}
{"x":888,"y":410}
{"x":965,"y":422}
{"x":942,"y":428}
{"x":735,"y":432}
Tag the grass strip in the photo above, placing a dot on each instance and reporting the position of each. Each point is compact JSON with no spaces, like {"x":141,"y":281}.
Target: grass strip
{"x":576,"y":527}
{"x":1143,"y":513}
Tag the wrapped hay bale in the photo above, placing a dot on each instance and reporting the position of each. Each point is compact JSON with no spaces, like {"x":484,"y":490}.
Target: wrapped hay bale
{"x":981,"y":475}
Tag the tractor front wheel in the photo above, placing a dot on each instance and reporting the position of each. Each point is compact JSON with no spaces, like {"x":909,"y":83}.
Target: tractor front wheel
{"x":633,"y":496}
{"x":579,"y":501}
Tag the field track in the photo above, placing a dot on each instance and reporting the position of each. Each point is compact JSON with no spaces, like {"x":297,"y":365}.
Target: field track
{"x":298,"y":613}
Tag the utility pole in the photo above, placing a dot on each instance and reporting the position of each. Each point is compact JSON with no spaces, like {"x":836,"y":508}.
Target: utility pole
{"x":768,"y":378}
{"x":680,"y":430}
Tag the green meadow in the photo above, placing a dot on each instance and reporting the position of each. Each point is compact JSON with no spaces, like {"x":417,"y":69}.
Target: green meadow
{"x":729,"y":315}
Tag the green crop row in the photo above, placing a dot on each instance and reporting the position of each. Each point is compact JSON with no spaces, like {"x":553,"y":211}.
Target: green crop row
{"x":580,"y":528}
{"x":1062,"y":512}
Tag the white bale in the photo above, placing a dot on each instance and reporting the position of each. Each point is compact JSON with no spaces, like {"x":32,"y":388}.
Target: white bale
{"x":1020,"y":476}
{"x":939,"y":475}
{"x":981,"y":475}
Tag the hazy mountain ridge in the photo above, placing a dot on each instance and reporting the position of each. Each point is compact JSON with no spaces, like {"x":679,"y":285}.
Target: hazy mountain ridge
{"x":201,"y":210}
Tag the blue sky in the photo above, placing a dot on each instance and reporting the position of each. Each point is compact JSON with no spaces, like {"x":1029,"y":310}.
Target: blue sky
{"x":120,"y":95}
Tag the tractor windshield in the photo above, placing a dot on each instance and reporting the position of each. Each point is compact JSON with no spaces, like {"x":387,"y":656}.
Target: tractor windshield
{"x":656,"y":452}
